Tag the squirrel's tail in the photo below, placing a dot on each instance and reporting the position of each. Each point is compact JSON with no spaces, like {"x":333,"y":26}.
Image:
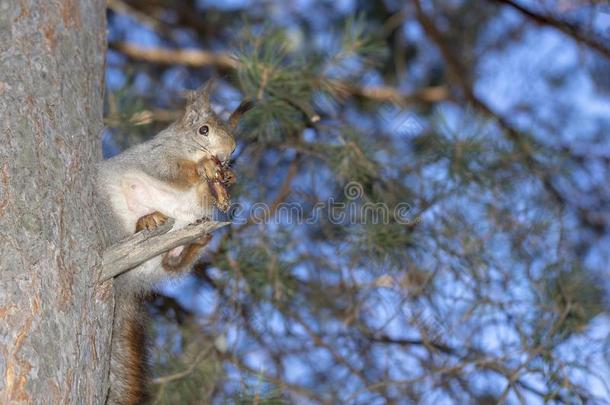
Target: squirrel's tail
{"x":128,"y":364}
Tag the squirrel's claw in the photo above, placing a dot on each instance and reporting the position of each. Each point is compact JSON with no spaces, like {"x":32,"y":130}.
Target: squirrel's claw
{"x":203,"y":219}
{"x":229,"y":177}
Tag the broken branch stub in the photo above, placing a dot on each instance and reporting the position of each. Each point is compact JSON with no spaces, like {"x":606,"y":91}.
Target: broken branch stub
{"x":145,"y":245}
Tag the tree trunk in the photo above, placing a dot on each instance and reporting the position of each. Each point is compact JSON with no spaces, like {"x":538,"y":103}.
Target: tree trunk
{"x":54,"y":319}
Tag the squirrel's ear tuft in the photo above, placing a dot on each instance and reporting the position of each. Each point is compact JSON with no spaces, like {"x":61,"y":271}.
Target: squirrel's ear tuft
{"x":198,"y":102}
{"x":244,"y":107}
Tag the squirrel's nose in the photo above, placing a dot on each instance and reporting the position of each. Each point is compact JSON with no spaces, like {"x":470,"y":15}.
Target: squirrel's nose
{"x":225,"y":152}
{"x":232,"y":145}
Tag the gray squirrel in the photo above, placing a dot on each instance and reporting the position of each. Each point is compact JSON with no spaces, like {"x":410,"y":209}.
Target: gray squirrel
{"x":182,"y":174}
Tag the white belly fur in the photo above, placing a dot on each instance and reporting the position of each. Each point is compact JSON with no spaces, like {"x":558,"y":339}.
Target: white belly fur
{"x":138,"y":194}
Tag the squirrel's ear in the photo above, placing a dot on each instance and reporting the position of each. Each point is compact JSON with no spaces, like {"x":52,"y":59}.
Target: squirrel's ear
{"x":207,"y":89}
{"x":198,"y":102}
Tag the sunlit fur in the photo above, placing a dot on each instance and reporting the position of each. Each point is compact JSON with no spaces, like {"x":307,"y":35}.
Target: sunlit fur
{"x":155,"y":176}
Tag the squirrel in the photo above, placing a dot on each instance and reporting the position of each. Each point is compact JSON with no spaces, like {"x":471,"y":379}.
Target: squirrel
{"x":180,"y":173}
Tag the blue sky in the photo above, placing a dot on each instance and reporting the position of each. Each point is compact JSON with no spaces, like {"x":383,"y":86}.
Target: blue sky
{"x":519,"y":82}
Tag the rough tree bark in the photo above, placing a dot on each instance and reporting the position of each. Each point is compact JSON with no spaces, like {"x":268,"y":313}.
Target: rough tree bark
{"x":54,"y":318}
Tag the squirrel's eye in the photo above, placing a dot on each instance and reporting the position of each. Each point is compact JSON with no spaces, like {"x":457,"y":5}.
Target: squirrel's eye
{"x":204,"y":129}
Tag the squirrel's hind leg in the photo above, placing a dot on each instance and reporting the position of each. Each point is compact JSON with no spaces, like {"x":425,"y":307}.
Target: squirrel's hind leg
{"x":186,"y":257}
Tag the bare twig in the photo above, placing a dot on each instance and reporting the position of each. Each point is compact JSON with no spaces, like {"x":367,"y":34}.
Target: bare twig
{"x":184,"y":373}
{"x":281,"y":383}
{"x":188,"y":57}
{"x":387,"y":93}
{"x":145,"y":245}
{"x":566,"y":27}
{"x":121,"y":7}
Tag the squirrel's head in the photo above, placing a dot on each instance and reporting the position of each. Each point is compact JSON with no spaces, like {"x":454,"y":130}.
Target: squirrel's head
{"x":202,"y":131}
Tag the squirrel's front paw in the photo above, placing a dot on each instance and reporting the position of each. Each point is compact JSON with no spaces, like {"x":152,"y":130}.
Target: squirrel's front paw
{"x":218,"y":178}
{"x":210,"y":169}
{"x":150,"y":221}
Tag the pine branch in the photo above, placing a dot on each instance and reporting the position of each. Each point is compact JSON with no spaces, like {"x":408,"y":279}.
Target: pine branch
{"x":522,"y":142}
{"x":145,"y":245}
{"x":222,"y":61}
{"x":459,"y":75}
